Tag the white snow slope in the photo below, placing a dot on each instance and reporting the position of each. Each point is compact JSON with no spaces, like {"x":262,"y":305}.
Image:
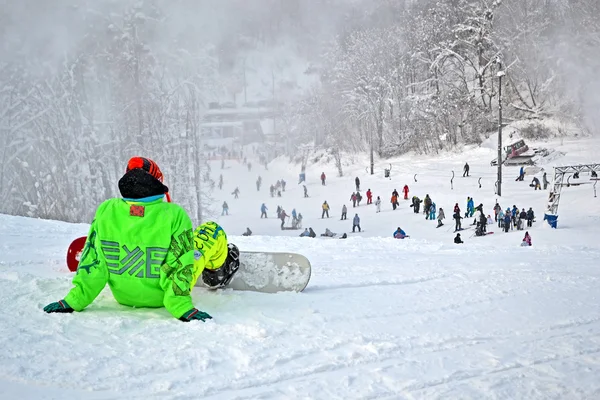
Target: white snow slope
{"x":419,"y":318}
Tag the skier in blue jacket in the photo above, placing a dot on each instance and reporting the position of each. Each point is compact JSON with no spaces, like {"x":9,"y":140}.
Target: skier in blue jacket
{"x":263,"y":210}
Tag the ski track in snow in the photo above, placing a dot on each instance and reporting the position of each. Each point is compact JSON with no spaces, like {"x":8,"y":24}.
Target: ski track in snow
{"x":381,"y":318}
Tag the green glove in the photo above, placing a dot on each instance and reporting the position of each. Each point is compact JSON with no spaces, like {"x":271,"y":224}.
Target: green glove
{"x":195,"y":314}
{"x":60,"y":306}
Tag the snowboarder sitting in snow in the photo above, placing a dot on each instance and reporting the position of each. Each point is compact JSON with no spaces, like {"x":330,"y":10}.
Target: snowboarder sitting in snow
{"x":306,"y":233}
{"x":457,"y":239}
{"x":526,"y":240}
{"x":169,"y":256}
{"x":328,"y":233}
{"x":247,"y":233}
{"x":400,"y":234}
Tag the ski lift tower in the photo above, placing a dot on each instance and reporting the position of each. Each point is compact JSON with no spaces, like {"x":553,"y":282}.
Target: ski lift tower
{"x":551,"y":214}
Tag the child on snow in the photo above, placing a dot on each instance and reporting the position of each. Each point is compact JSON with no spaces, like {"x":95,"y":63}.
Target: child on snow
{"x":526,"y":240}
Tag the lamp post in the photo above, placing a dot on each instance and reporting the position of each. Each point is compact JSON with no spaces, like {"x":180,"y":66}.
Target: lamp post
{"x":500,"y":74}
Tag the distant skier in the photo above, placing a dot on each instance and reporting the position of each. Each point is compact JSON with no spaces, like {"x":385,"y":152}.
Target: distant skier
{"x":258,"y":183}
{"x":501,"y":219}
{"x":457,"y":239}
{"x":225,"y":210}
{"x":283,"y":183}
{"x":325,"y":208}
{"x":378,"y":204}
{"x":357,"y":182}
{"x":305,"y":191}
{"x":530,"y":217}
{"x":358,"y":199}
{"x":263,"y":211}
{"x":457,"y":224}
{"x":394,"y":201}
{"x":545,"y":180}
{"x":399,"y":234}
{"x":441,"y":217}
{"x":294,"y":217}
{"x":272,"y":190}
{"x":470,"y":207}
{"x":356,"y":223}
{"x":236,"y":193}
{"x":221,"y":182}
{"x":497,"y":210}
{"x":426,"y":205}
{"x":344,"y":212}
{"x":507,"y":220}
{"x":466,"y":170}
{"x":405,"y":190}
{"x":521,"y":174}
{"x":353,"y":199}
{"x":432,"y":210}
{"x":369,"y":196}
{"x":247,"y":233}
{"x":282,"y":216}
{"x":323,"y":178}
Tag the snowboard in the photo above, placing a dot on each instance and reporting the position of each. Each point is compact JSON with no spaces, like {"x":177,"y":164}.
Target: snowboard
{"x":267,"y":272}
{"x":270,"y":272}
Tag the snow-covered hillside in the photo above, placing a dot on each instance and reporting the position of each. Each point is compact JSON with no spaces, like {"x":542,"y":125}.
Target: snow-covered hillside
{"x":419,"y":318}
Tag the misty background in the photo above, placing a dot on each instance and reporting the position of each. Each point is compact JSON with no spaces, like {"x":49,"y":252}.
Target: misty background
{"x":85,"y":85}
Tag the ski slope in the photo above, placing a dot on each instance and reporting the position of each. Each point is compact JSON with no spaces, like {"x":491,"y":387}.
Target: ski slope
{"x":419,"y":318}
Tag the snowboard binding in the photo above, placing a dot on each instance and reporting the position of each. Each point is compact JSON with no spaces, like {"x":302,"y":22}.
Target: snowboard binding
{"x":222,"y":276}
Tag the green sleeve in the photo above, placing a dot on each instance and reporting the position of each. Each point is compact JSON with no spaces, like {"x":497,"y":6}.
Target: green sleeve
{"x":176,"y":272}
{"x":92,"y":273}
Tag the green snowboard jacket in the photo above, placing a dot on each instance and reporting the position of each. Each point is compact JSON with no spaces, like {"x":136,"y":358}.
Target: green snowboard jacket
{"x":145,"y":252}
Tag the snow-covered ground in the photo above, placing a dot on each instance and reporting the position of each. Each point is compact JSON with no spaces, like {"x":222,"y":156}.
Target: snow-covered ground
{"x":419,"y":318}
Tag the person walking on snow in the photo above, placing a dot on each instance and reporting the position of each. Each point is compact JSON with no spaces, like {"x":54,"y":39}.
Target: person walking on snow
{"x":357,"y":182}
{"x":283,"y":185}
{"x":501,"y":219}
{"x":426,"y":206}
{"x":507,"y":220}
{"x":305,"y":191}
{"x":162,"y":233}
{"x":225,"y":209}
{"x":356,"y":223}
{"x":457,"y":224}
{"x":497,"y":210}
{"x":466,"y":170}
{"x":521,"y":174}
{"x":325,"y":208}
{"x":441,"y":216}
{"x":545,"y":181}
{"x":432,"y":209}
{"x":369,"y":196}
{"x":323,"y":178}
{"x":530,"y":217}
{"x":236,"y":192}
{"x":344,"y":212}
{"x":378,"y":204}
{"x":283,"y":216}
{"x":263,"y":210}
{"x":294,"y":217}
{"x":405,"y":190}
{"x":353,"y":199}
{"x":470,"y":207}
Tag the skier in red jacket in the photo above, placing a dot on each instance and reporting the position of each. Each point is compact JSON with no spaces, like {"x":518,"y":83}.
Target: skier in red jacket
{"x":369,"y":197}
{"x":405,"y":190}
